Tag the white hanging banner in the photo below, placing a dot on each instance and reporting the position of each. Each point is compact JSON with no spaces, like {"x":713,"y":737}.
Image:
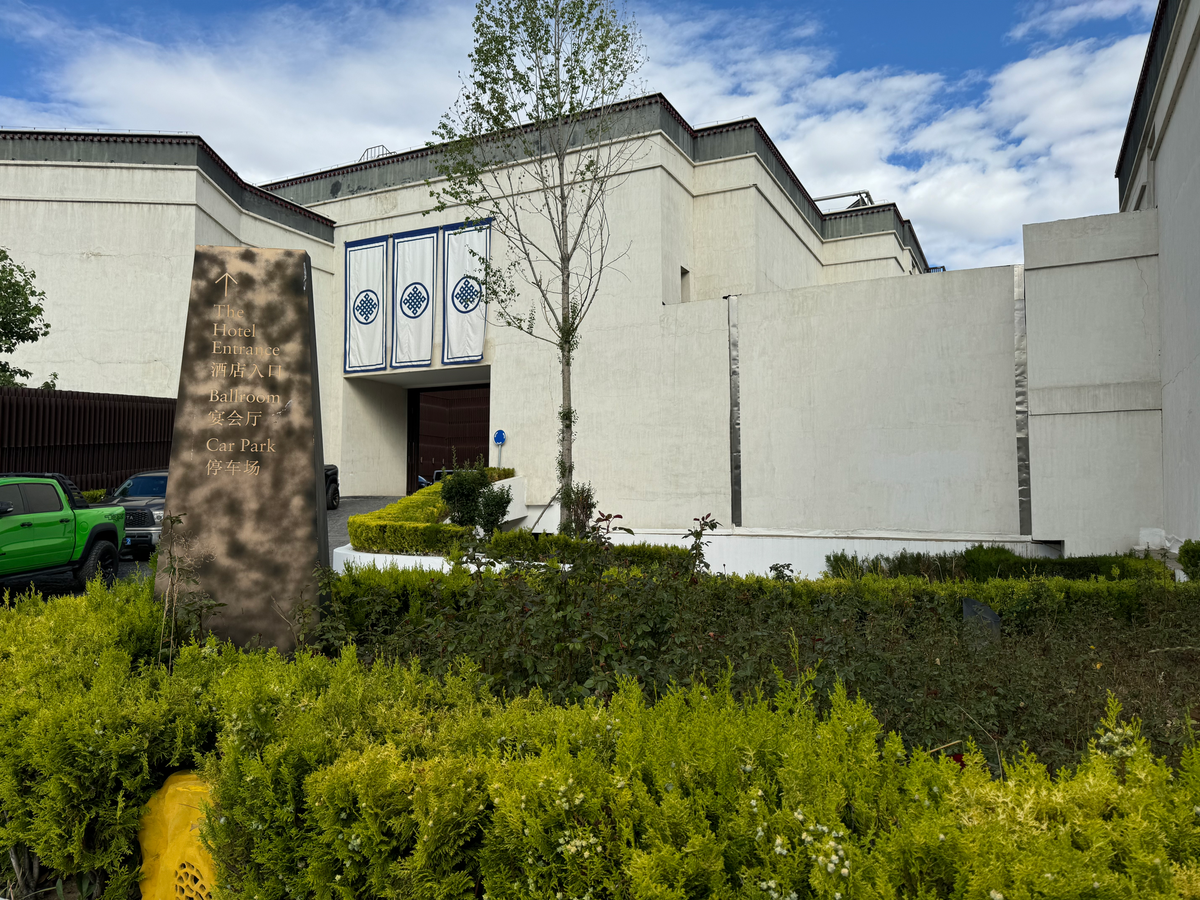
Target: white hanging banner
{"x":365,"y":331}
{"x":413,"y":266}
{"x":464,"y":304}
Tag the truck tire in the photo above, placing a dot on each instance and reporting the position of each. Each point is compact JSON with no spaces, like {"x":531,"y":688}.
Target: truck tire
{"x":333,"y":497}
{"x":102,"y":558}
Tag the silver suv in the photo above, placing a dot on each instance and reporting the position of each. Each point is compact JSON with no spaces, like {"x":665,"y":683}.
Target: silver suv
{"x":144,"y":496}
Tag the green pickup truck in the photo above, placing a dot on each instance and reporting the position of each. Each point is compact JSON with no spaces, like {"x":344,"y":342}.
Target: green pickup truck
{"x":48,"y":529}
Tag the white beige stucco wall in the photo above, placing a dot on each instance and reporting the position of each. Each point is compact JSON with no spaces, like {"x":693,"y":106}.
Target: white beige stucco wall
{"x":1092,"y":308}
{"x":882,"y":406}
{"x":113,"y":245}
{"x":1177,"y":192}
{"x":651,"y":379}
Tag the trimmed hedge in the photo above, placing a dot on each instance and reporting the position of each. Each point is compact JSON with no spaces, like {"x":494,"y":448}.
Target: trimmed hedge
{"x":523,"y":545}
{"x":411,"y":526}
{"x":94,"y":496}
{"x":408,"y":538}
{"x":495,"y":473}
{"x":980,"y":563}
{"x":899,"y":643}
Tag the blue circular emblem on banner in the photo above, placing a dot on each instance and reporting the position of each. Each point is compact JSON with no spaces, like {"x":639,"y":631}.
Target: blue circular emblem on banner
{"x":499,"y":437}
{"x":414,"y":300}
{"x":466,"y":294}
{"x":365,"y":307}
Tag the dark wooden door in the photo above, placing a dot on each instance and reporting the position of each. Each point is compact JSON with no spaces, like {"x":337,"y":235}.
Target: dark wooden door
{"x":446,"y":425}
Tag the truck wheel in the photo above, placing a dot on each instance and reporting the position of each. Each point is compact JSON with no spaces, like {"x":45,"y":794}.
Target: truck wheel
{"x":333,"y":497}
{"x":103,"y":559}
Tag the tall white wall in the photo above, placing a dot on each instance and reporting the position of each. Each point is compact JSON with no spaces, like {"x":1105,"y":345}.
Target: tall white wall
{"x":1092,"y":308}
{"x":650,"y":378}
{"x":881,"y":406}
{"x":1177,"y":190}
{"x":113,"y":245}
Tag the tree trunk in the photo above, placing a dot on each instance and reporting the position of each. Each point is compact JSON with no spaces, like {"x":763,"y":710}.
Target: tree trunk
{"x":566,"y":471}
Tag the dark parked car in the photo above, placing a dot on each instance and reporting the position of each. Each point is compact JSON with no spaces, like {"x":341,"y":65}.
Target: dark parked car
{"x":144,"y":496}
{"x":333,"y":493}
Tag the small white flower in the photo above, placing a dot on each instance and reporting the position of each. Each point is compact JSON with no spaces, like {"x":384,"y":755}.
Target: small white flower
{"x":829,"y":868}
{"x":941,"y":837}
{"x":995,"y":894}
{"x":837,"y":896}
{"x":1096,"y":885}
{"x":845,"y":873}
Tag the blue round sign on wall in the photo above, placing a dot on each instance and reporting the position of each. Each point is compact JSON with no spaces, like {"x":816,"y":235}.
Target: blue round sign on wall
{"x":499,"y":437}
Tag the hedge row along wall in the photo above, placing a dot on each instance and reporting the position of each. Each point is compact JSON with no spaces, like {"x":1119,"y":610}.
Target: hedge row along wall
{"x":900,"y":643}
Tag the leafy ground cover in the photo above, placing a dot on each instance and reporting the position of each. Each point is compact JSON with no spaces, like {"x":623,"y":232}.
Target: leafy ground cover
{"x":1041,"y":680}
{"x":808,"y":733}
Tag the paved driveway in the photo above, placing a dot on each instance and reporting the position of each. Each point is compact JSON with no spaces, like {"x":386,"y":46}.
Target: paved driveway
{"x":339,"y":532}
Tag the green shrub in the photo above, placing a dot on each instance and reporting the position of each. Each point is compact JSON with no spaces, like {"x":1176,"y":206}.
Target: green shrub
{"x":89,"y":729}
{"x":495,"y":474}
{"x":410,"y":526}
{"x":899,"y":643}
{"x":474,"y":501}
{"x":94,"y":496}
{"x":424,"y":506}
{"x":980,"y":563}
{"x":335,"y":781}
{"x":370,"y":535}
{"x":1189,"y":559}
{"x":522,"y":545}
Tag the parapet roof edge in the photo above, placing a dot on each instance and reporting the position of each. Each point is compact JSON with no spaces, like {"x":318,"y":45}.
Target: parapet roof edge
{"x":1165,"y":15}
{"x":144,"y":138}
{"x":637,"y":102}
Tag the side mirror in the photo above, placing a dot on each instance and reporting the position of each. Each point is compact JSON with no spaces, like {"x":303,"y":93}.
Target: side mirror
{"x":6,"y":507}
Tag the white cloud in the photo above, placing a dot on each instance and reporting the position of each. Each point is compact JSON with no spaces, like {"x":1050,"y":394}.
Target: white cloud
{"x":291,"y":90}
{"x":1056,"y":17}
{"x":1039,"y":143}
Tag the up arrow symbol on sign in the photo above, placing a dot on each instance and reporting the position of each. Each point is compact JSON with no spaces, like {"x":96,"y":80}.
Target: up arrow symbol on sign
{"x":226,"y":278}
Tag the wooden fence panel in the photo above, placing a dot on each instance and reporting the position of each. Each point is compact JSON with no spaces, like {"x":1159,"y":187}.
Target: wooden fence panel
{"x":96,"y":440}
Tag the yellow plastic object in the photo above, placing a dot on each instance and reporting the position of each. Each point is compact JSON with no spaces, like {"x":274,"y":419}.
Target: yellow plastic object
{"x":175,"y":865}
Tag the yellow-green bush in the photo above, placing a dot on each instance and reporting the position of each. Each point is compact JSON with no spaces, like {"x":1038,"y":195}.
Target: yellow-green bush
{"x":406,"y":538}
{"x":333,"y":780}
{"x":94,"y":496}
{"x":410,"y":526}
{"x":89,"y":729}
{"x":424,"y":506}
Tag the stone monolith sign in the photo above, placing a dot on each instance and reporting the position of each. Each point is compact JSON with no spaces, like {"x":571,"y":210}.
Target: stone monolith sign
{"x":247,"y":469}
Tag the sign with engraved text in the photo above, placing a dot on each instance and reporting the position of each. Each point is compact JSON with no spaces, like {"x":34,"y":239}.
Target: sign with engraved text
{"x":247,"y":469}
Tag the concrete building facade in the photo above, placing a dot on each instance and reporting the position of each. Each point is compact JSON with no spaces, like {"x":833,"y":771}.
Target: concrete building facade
{"x":1046,"y":404}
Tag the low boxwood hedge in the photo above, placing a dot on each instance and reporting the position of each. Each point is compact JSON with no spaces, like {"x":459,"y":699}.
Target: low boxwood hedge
{"x":523,"y":545}
{"x":899,"y":643}
{"x":980,"y":563}
{"x":411,"y":526}
{"x":373,"y":535}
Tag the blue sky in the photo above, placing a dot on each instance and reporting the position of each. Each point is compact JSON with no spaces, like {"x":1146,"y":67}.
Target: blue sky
{"x":974,"y":117}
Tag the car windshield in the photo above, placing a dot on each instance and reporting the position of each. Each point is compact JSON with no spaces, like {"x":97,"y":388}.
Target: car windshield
{"x":144,"y":486}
